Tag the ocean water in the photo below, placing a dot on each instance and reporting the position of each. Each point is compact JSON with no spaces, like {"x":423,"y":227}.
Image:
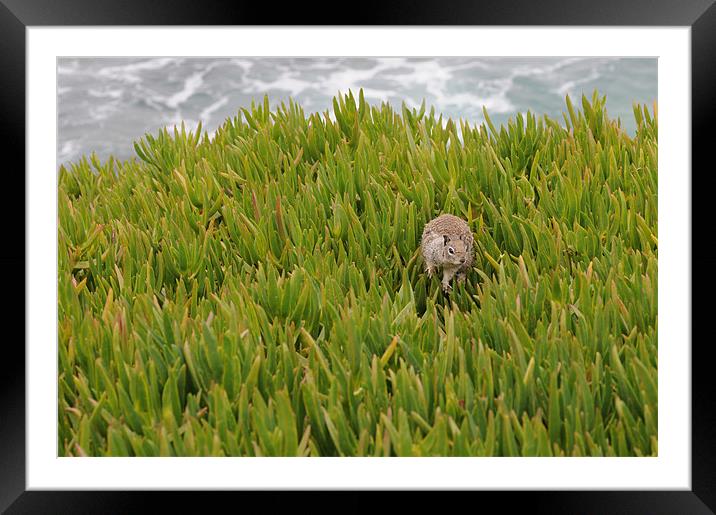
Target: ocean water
{"x":105,"y":104}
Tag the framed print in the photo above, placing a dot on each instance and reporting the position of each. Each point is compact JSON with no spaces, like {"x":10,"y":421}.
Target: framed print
{"x":365,"y":257}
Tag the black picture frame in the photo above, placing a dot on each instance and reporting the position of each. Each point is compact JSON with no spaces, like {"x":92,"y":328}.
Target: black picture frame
{"x":17,"y":15}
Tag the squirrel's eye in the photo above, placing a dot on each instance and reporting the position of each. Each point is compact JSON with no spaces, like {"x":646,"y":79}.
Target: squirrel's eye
{"x":451,"y":250}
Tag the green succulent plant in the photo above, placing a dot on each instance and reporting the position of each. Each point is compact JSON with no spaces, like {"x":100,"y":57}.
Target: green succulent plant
{"x":259,"y":292}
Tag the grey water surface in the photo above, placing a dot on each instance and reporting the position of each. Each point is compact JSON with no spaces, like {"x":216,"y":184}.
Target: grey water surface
{"x":105,"y":104}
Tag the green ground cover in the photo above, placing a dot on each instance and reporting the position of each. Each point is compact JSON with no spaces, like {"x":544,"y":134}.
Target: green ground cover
{"x":260,"y":292}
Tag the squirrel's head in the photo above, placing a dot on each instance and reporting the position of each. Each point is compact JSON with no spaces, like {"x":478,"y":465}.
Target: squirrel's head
{"x":454,"y":250}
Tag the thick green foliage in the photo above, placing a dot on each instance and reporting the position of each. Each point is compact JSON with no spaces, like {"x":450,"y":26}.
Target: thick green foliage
{"x":260,"y":292}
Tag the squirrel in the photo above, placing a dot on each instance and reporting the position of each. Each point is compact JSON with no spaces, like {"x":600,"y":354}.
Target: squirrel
{"x":447,"y":242}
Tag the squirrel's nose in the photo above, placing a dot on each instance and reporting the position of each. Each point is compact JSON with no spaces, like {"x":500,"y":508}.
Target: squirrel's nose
{"x":462,"y":260}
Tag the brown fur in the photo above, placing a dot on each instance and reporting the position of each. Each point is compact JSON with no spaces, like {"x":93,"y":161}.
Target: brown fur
{"x":447,"y":243}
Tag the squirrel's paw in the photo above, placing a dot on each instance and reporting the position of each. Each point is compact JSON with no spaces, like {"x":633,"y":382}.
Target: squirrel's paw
{"x":446,"y":287}
{"x":429,"y":270}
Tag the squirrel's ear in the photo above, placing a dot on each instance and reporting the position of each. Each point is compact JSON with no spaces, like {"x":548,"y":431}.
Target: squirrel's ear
{"x":446,"y":239}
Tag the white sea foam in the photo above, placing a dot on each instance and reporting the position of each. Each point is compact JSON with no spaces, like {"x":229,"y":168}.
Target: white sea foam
{"x":107,"y":93}
{"x":528,"y":70}
{"x":67,"y":151}
{"x":191,"y":86}
{"x":321,"y":64}
{"x":206,"y":113}
{"x":430,"y":75}
{"x":353,"y":79}
{"x":436,"y":78}
{"x":177,"y":119}
{"x":244,"y":64}
{"x":380,"y":94}
{"x":108,"y":96}
{"x":99,"y":112}
{"x":131,"y":72}
{"x":286,"y":82}
{"x":67,"y":66}
{"x":569,"y":86}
